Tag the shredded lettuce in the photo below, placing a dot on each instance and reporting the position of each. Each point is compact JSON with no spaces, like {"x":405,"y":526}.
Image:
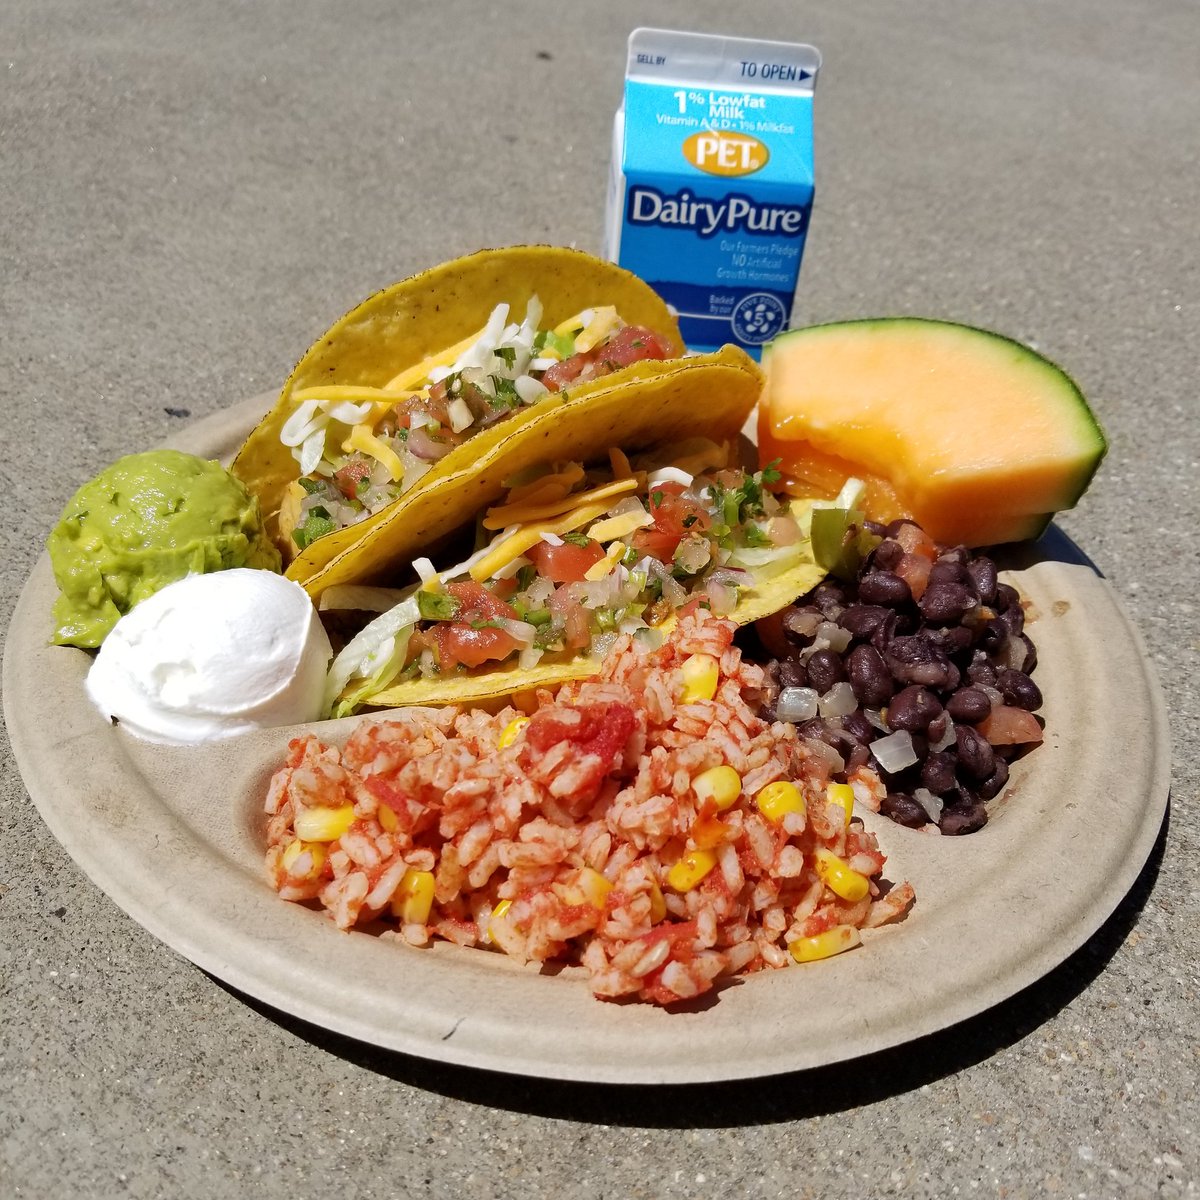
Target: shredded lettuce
{"x":372,"y":659}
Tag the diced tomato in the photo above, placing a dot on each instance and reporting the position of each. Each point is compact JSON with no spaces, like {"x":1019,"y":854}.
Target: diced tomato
{"x":628,"y":345}
{"x":694,"y":605}
{"x":916,"y":541}
{"x":566,"y":563}
{"x":708,"y":830}
{"x":462,"y":641}
{"x":347,"y":477}
{"x":914,"y":570}
{"x":1009,"y":726}
{"x":599,"y":729}
{"x":577,"y":622}
{"x":674,"y":516}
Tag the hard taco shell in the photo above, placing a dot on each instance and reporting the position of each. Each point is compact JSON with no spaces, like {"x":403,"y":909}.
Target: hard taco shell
{"x":422,"y":316}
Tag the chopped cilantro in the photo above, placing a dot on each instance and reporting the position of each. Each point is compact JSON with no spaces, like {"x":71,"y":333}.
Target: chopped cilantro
{"x":311,"y":486}
{"x":402,"y":434}
{"x":656,"y":498}
{"x":690,"y":520}
{"x":525,"y":576}
{"x":577,"y":539}
{"x":507,"y":354}
{"x":769,"y":473}
{"x":506,"y":393}
{"x":362,"y":487}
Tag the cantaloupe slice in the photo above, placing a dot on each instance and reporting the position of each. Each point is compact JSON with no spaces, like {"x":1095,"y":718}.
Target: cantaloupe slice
{"x":978,"y":438}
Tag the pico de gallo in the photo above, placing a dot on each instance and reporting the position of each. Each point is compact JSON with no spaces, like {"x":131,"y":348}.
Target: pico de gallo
{"x":360,"y":448}
{"x":577,"y":557}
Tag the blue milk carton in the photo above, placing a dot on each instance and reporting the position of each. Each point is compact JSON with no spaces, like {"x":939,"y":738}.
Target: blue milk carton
{"x":711,"y":186}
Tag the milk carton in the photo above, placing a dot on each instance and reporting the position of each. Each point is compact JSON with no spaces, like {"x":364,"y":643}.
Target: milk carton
{"x":711,"y":185}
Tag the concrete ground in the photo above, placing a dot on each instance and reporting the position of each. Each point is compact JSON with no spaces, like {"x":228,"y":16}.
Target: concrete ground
{"x":189,"y":193}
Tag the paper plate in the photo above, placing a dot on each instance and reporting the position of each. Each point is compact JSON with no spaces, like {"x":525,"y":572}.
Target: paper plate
{"x":175,"y":837}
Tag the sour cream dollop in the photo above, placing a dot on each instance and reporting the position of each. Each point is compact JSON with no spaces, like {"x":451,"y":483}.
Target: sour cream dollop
{"x":211,"y":656}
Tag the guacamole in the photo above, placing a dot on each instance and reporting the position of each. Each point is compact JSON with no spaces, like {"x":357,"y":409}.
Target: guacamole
{"x":142,"y":523}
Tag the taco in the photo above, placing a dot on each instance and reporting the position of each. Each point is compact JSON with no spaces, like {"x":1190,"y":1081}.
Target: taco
{"x":612,"y":523}
{"x":418,"y":381}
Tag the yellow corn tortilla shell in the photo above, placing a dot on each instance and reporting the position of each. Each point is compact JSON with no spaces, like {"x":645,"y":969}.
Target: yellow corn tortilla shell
{"x":710,"y":394}
{"x":421,"y":316}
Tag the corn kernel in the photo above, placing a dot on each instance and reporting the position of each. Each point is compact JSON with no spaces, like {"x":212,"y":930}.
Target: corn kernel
{"x":700,"y":674}
{"x":323,"y":824}
{"x":691,"y":869}
{"x":658,"y":906}
{"x":386,"y":816}
{"x":841,"y":794}
{"x":594,"y":887}
{"x":316,"y":860}
{"x":721,"y":785}
{"x":778,"y":799}
{"x":499,"y":913}
{"x":512,"y":731}
{"x":825,"y":945}
{"x":413,"y":899}
{"x":839,"y":878}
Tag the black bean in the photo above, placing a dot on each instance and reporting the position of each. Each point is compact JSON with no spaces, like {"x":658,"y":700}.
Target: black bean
{"x":949,"y":570}
{"x":937,"y":727}
{"x":916,"y":659}
{"x":1019,"y":690}
{"x":937,"y":772}
{"x":886,"y":555}
{"x":982,"y":670}
{"x":1006,"y":597}
{"x":912,"y":709}
{"x":1013,"y":618}
{"x":869,"y":676}
{"x":800,"y":622}
{"x":792,"y":673}
{"x":883,"y":587}
{"x":975,"y":756}
{"x":825,"y":669}
{"x":1030,"y":659}
{"x":983,"y":575}
{"x":953,"y":639}
{"x":995,"y":781}
{"x":831,"y":735}
{"x":862,"y":620}
{"x":904,"y":810}
{"x":958,"y":819}
{"x":993,"y":635}
{"x":945,"y":601}
{"x":858,"y":727}
{"x":829,"y":598}
{"x":969,"y":704}
{"x":860,"y":756}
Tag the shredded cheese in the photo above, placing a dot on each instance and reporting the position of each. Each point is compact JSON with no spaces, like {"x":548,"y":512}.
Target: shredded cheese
{"x":361,"y":438}
{"x":619,"y":526}
{"x":416,"y":374}
{"x":508,"y":514}
{"x":612,"y":556}
{"x":528,"y":536}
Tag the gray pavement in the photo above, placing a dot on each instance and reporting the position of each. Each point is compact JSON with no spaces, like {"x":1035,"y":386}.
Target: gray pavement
{"x":190,"y":192}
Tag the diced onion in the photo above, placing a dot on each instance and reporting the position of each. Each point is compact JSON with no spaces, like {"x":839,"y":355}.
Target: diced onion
{"x":551,"y":538}
{"x":895,"y":752}
{"x":529,"y":389}
{"x":932,"y":804}
{"x":796,"y":704}
{"x":839,"y":701}
{"x":460,"y":414}
{"x":522,"y":631}
{"x":669,"y":475}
